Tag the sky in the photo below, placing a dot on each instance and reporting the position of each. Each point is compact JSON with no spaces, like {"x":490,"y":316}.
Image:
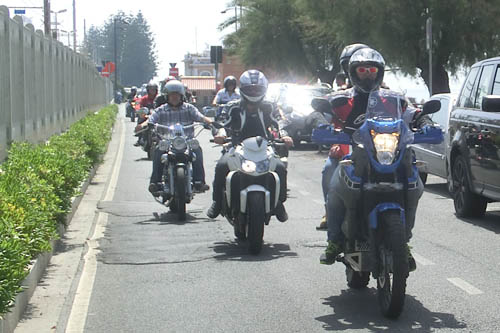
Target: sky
{"x":179,"y":26}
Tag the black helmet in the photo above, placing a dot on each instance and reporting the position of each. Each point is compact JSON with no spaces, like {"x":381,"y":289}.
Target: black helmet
{"x":133,"y":89}
{"x":346,"y":54}
{"x":253,"y":86}
{"x":229,"y":80}
{"x":366,"y":69}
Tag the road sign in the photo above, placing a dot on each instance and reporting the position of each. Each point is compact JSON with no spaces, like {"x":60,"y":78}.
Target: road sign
{"x":19,"y":11}
{"x":173,"y":71}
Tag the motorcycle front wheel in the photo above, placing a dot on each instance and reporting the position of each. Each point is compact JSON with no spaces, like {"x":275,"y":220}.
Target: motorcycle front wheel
{"x":180,"y":193}
{"x":393,"y":265}
{"x":256,"y":217}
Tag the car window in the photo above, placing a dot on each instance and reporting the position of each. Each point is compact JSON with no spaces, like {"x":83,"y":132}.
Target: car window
{"x":441,"y":117}
{"x":496,"y":84}
{"x":465,"y":96}
{"x":484,"y":84}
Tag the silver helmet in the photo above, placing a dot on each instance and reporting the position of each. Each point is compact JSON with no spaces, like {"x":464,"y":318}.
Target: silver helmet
{"x":253,"y":86}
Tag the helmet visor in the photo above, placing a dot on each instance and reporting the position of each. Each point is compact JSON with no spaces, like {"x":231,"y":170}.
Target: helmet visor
{"x":253,"y":90}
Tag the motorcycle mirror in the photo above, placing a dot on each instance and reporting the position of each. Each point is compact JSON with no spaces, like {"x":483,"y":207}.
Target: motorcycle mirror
{"x":288,"y":109}
{"x":321,"y":105}
{"x":430,"y":107}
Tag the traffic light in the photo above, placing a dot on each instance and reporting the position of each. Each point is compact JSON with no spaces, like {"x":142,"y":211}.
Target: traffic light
{"x":216,"y":54}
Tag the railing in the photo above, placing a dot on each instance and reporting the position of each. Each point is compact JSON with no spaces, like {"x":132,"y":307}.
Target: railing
{"x":44,"y":85}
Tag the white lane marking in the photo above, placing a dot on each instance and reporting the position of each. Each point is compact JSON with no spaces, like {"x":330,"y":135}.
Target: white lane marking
{"x":304,"y":193}
{"x":80,"y":307}
{"x":319,"y":202}
{"x":421,"y":260}
{"x":465,"y":286}
{"x":79,"y":310}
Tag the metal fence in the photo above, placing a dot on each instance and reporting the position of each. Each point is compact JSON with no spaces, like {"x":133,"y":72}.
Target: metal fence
{"x":44,"y":85}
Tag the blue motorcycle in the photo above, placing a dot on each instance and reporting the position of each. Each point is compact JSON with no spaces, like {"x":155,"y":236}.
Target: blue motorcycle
{"x":380,"y":188}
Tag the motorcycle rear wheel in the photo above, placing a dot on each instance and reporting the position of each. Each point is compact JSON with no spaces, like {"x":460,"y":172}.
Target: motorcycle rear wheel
{"x":256,"y":217}
{"x":391,"y":282}
{"x":180,"y":193}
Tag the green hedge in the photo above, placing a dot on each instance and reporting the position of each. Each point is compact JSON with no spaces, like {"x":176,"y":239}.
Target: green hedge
{"x":37,"y":183}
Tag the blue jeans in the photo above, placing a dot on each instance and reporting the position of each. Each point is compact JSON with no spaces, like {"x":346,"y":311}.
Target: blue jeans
{"x":335,"y":209}
{"x":198,"y":169}
{"x":326,"y":175}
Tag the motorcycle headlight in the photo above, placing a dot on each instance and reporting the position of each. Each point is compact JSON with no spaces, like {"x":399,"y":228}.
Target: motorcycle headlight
{"x":248,"y":166}
{"x":194,"y":144}
{"x":179,"y":143}
{"x":163,"y":145}
{"x":262,"y":166}
{"x":385,"y":146}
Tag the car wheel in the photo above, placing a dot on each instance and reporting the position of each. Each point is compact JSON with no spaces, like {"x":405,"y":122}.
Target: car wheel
{"x":467,"y":203}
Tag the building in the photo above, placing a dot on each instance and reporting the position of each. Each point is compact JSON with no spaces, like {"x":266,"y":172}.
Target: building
{"x":198,"y":64}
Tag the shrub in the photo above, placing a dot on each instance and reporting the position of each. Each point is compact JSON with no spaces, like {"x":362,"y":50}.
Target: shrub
{"x":37,"y":183}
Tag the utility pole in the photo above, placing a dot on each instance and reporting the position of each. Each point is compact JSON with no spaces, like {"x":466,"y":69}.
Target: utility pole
{"x":46,"y":17}
{"x":428,"y":29}
{"x":114,"y":54}
{"x":74,"y":26}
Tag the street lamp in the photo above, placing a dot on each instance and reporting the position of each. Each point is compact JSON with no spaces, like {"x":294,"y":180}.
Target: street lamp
{"x":57,"y":24}
{"x":235,"y":15}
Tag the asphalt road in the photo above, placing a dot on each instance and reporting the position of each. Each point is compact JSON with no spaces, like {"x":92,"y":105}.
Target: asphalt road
{"x":156,"y":274}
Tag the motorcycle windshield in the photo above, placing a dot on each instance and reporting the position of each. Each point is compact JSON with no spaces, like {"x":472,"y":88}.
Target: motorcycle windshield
{"x":383,"y":115}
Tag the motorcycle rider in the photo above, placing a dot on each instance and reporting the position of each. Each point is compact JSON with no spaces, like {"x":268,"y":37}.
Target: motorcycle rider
{"x":337,"y":151}
{"x":133,"y":93}
{"x":147,"y":101}
{"x":248,"y":117}
{"x":176,"y":111}
{"x":366,"y":72}
{"x":228,"y":93}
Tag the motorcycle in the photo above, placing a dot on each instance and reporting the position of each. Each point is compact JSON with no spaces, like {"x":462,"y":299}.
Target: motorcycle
{"x":177,"y":156}
{"x":145,"y":135}
{"x":380,"y":187}
{"x":252,"y":189}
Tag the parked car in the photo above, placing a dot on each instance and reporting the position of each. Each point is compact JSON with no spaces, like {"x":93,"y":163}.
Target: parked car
{"x":474,"y":140}
{"x":435,"y":154}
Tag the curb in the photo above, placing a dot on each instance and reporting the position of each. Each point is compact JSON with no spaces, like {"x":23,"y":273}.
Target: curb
{"x":9,"y":322}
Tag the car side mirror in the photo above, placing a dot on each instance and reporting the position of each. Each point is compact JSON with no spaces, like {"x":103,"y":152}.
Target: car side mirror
{"x":321,"y":105}
{"x":491,"y":103}
{"x":430,"y":107}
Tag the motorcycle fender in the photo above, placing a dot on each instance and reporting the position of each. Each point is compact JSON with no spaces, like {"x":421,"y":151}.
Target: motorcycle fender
{"x":229,"y":177}
{"x":254,"y":188}
{"x":277,"y":189}
{"x":373,"y":216}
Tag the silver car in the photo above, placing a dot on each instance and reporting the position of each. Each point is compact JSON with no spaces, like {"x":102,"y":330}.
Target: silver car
{"x":435,"y":154}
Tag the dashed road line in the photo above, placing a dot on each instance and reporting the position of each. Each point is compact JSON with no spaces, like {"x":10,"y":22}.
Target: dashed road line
{"x":421,"y":260}
{"x":465,"y":286}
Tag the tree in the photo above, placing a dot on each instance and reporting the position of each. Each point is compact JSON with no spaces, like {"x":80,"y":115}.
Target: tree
{"x":463,"y":32}
{"x":136,"y":55}
{"x":273,"y":35}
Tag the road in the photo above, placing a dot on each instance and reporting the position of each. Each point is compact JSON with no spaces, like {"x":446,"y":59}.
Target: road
{"x":144,"y":271}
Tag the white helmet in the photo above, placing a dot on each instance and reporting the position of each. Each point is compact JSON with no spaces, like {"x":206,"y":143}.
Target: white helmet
{"x":253,"y":86}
